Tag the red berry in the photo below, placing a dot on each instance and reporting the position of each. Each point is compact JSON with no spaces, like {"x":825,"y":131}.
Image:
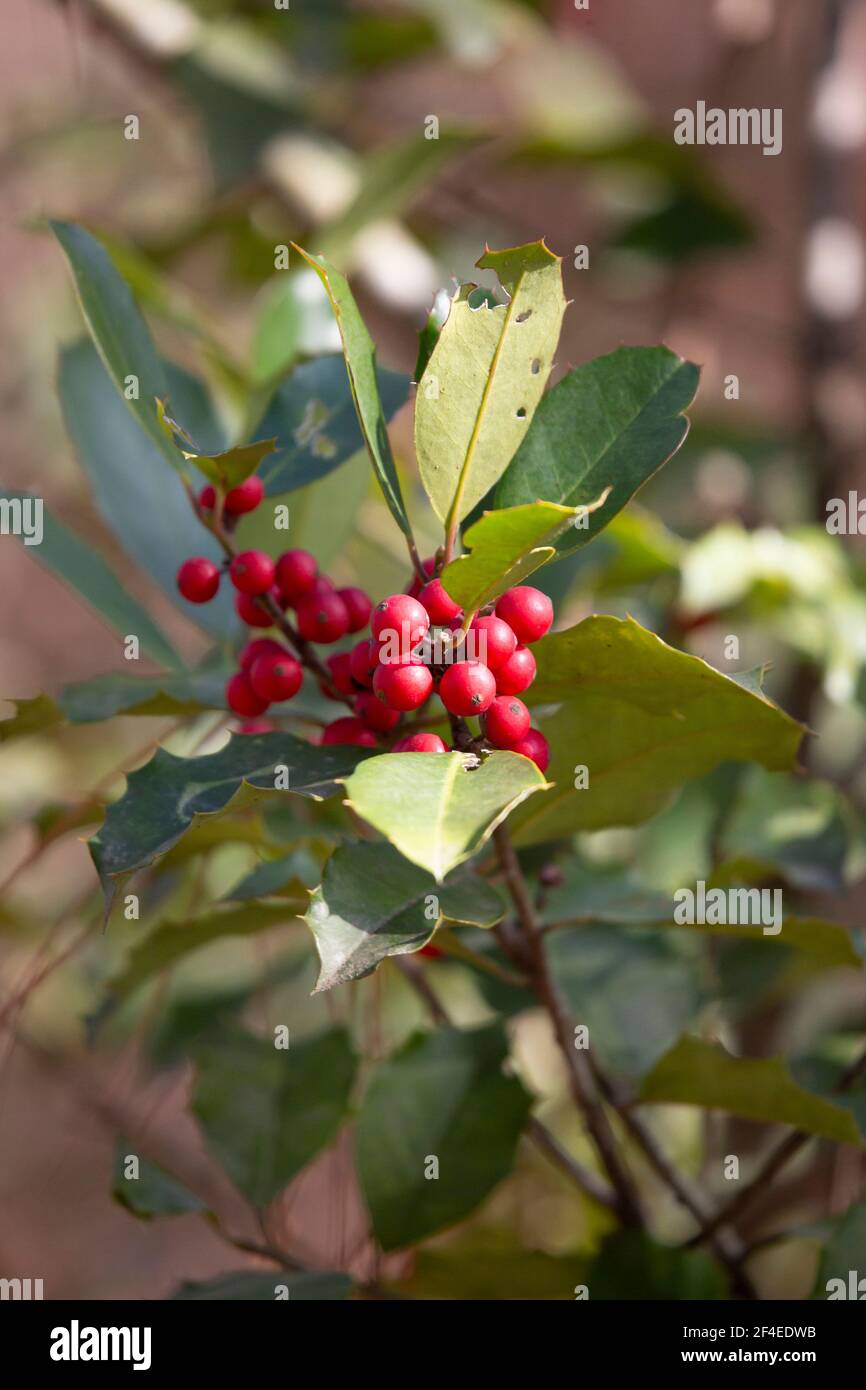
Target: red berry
{"x":256,"y":726}
{"x":349,"y":730}
{"x":359,"y":605}
{"x":258,"y":647}
{"x":399,"y":623}
{"x":241,"y":697}
{"x":276,"y":676}
{"x":252,"y":572}
{"x":428,"y":566}
{"x":528,"y":612}
{"x":322,"y":618}
{"x":198,"y":579}
{"x":296,"y":574}
{"x":535,"y":747}
{"x":245,"y":497}
{"x":431,"y":952}
{"x":494,"y":641}
{"x":439,"y":603}
{"x":468,"y":687}
{"x":363,"y":660}
{"x":404,"y":685}
{"x":507,"y":721}
{"x":376,"y":715}
{"x":252,"y":611}
{"x":517,"y":673}
{"x":341,"y":675}
{"x":207,"y":497}
{"x":420,"y":743}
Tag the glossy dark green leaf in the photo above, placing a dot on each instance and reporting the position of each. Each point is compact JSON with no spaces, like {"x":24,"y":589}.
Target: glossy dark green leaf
{"x":78,"y":565}
{"x":443,"y":1096}
{"x":139,"y":495}
{"x":154,"y":1192}
{"x":280,"y":877}
{"x":373,"y":903}
{"x":166,"y":796}
{"x":610,"y":423}
{"x":267,"y":1112}
{"x":313,"y":417}
{"x":634,"y":989}
{"x":360,"y":354}
{"x":631,"y":1265}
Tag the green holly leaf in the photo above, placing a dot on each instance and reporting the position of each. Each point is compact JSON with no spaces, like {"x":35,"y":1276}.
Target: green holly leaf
{"x":641,"y":718}
{"x":266,"y":1111}
{"x":704,"y":1074}
{"x":225,"y":469}
{"x":360,"y":355}
{"x":438,"y":810}
{"x":373,"y":903}
{"x":485,"y":378}
{"x":635,"y":990}
{"x":443,"y":1097}
{"x":103,"y":697}
{"x":609,"y":423}
{"x":169,"y":795}
{"x":77,"y":564}
{"x":153,"y":1192}
{"x":507,"y":546}
{"x":312,"y":414}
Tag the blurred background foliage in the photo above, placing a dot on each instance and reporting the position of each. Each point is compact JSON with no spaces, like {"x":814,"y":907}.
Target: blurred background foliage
{"x":257,"y":127}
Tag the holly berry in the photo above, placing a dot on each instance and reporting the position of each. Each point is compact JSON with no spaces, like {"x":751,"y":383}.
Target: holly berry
{"x":256,"y":726}
{"x":207,"y":497}
{"x":376,"y":715}
{"x":535,"y":747}
{"x":322,"y":618}
{"x":258,"y":647}
{"x":403,"y":685}
{"x":349,"y":730}
{"x":439,"y":604}
{"x":507,"y":721}
{"x":296,"y":574}
{"x":252,"y":572}
{"x":241,"y":697}
{"x":198,"y":579}
{"x":428,"y":566}
{"x":363,"y":660}
{"x":528,"y":612}
{"x":468,"y":687}
{"x":431,"y":952}
{"x":494,"y":641}
{"x":399,"y":621}
{"x":517,"y":673}
{"x":252,"y":611}
{"x":341,"y":675}
{"x":276,"y":676}
{"x":358,"y":605}
{"x":420,"y":743}
{"x":245,"y":497}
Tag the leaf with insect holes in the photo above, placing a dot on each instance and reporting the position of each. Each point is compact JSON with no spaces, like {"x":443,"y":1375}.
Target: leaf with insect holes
{"x":703,"y":1074}
{"x":78,"y":565}
{"x":360,"y":354}
{"x":485,"y":378}
{"x":507,"y":546}
{"x":444,"y":1095}
{"x":168,"y":795}
{"x":611,"y":423}
{"x":373,"y":903}
{"x":437,"y":810}
{"x":641,"y":718}
{"x":266,"y":1112}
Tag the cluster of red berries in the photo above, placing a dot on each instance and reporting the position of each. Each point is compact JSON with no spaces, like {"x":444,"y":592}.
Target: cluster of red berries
{"x":384,"y":675}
